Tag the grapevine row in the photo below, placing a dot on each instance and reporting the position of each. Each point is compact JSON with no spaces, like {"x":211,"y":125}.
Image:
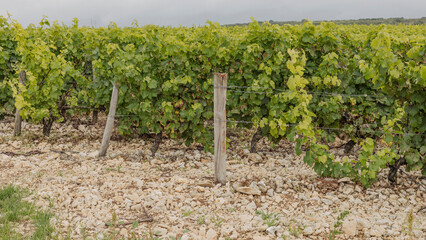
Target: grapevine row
{"x":164,"y":76}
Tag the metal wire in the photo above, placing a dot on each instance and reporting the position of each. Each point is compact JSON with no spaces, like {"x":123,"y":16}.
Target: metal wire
{"x":287,"y":90}
{"x":230,"y":88}
{"x":340,"y":94}
{"x":119,"y":115}
{"x":126,"y":115}
{"x":323,"y":128}
{"x":239,"y":91}
{"x":239,"y":121}
{"x":337,"y":129}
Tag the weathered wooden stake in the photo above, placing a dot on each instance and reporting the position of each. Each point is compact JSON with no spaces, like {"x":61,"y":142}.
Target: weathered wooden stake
{"x":95,"y":112}
{"x":220,"y":80}
{"x":110,"y":121}
{"x":18,"y":118}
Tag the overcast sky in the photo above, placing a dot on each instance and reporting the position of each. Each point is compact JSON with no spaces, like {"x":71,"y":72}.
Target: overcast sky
{"x":197,"y":12}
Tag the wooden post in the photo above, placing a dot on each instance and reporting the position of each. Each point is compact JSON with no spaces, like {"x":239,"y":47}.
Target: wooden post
{"x":95,"y":112}
{"x":220,"y":80}
{"x":110,"y":121}
{"x":18,"y":118}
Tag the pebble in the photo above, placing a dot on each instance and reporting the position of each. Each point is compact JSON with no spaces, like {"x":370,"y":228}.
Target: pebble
{"x":227,"y":230}
{"x":159,"y":231}
{"x":254,"y":157}
{"x":273,"y":230}
{"x":123,"y":232}
{"x":376,"y":231}
{"x":349,"y":227}
{"x":245,"y":218}
{"x":211,"y":234}
{"x":308,"y":231}
{"x":270,"y":192}
{"x":93,"y":154}
{"x":327,"y":201}
{"x":260,"y":237}
{"x":262,"y":186}
{"x":248,"y":190}
{"x":251,"y":206}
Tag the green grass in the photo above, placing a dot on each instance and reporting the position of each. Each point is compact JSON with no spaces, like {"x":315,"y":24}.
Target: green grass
{"x":117,"y":169}
{"x":187,"y":213}
{"x":337,"y":225}
{"x":216,"y":220}
{"x":201,"y":220}
{"x":42,"y":224}
{"x":295,"y":228}
{"x":15,"y":212}
{"x":271,"y":219}
{"x":408,"y":224}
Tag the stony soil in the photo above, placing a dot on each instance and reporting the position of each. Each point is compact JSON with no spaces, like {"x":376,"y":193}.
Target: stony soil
{"x":177,"y":191}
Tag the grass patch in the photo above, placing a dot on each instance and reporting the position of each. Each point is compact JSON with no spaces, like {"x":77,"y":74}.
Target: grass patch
{"x":337,"y":225}
{"x":187,"y":213}
{"x":14,"y":211}
{"x":271,"y":219}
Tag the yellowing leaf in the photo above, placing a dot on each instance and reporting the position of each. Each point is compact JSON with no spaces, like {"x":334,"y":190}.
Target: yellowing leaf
{"x":322,"y":159}
{"x":394,"y":73}
{"x":423,"y":72}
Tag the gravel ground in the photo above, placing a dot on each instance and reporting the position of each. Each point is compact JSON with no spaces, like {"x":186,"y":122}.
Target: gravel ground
{"x":176,"y":189}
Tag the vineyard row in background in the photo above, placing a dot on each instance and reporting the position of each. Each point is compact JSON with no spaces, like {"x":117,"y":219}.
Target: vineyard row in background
{"x":315,"y":81}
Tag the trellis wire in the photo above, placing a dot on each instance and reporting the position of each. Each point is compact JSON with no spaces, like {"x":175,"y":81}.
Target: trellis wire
{"x":229,"y":88}
{"x":323,"y":128}
{"x":124,"y":115}
{"x":287,"y":90}
{"x":337,"y":129}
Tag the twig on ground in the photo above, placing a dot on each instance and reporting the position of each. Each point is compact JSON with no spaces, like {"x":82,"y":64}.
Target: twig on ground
{"x":63,"y":151}
{"x":146,"y":214}
{"x":145,"y":218}
{"x":30,"y":153}
{"x":419,"y":182}
{"x":131,"y":221}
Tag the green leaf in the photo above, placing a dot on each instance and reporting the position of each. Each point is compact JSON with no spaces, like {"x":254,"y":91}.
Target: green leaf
{"x":322,"y":159}
{"x":308,"y":158}
{"x":388,"y":138}
{"x":423,"y":72}
{"x":394,"y":73}
{"x":152,"y":84}
{"x":368,"y":145}
{"x":423,"y":150}
{"x":298,"y":146}
{"x":135,"y":224}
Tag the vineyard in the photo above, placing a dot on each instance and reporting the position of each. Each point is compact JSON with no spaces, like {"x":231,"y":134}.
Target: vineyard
{"x":360,"y":89}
